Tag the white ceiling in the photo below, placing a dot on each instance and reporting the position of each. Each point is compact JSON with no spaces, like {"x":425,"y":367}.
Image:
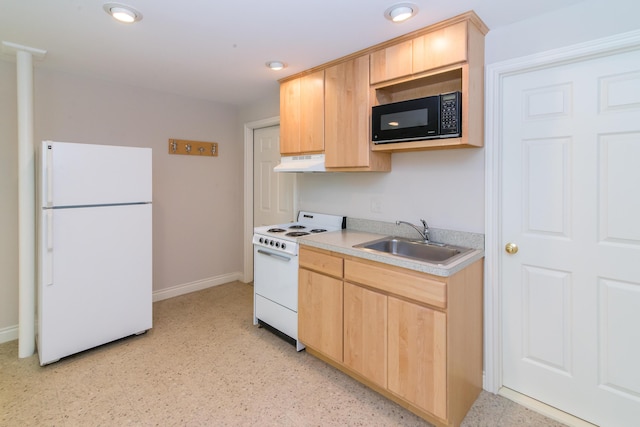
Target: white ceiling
{"x":217,"y":50}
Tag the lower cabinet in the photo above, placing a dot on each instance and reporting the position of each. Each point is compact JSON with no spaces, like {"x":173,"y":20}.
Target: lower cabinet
{"x":365,"y":333}
{"x":418,"y":355}
{"x":413,"y":337}
{"x":320,"y":313}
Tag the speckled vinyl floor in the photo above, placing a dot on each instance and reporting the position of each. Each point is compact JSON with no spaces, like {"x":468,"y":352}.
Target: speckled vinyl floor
{"x":205,"y":364}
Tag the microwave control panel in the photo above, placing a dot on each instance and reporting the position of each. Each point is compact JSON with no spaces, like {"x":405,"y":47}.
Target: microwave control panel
{"x":450,"y":114}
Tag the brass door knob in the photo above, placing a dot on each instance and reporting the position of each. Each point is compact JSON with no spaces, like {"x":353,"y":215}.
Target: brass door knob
{"x":511,"y":248}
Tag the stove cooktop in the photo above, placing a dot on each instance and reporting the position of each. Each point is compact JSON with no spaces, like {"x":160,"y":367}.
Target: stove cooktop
{"x":295,"y":230}
{"x":285,"y":235}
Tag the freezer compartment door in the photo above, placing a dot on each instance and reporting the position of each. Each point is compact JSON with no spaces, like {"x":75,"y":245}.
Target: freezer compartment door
{"x":86,"y":174}
{"x":95,"y":277}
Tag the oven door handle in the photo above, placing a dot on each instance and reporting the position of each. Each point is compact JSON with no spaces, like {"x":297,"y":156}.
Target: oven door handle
{"x":282,"y":257}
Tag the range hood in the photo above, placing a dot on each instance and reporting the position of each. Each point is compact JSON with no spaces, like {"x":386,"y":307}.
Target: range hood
{"x":304,"y":163}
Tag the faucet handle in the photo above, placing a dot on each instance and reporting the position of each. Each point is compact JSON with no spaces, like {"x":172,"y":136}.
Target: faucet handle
{"x":424,"y":223}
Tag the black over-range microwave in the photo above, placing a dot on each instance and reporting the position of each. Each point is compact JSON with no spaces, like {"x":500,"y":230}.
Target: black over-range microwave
{"x":417,"y":119}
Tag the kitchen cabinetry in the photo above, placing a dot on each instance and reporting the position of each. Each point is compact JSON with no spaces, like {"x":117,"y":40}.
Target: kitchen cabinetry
{"x":346,"y":111}
{"x":365,"y":333}
{"x":411,"y":336}
{"x":302,"y":114}
{"x":392,"y":62}
{"x":445,"y":57}
{"x":320,"y":299}
{"x":441,"y":47}
{"x":327,"y":111}
{"x":418,"y":355}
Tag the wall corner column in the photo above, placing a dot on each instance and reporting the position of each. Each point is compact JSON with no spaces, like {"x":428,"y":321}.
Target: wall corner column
{"x":26,"y":197}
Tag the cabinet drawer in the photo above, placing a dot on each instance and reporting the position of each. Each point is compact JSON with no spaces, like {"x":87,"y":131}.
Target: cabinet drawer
{"x":320,"y":261}
{"x":397,"y":281}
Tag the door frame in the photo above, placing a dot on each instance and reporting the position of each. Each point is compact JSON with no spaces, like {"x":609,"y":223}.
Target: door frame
{"x":494,"y":80}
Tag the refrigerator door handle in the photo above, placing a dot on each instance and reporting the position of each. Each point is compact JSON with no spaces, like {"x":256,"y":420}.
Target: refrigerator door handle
{"x":49,"y":167}
{"x":48,"y":256}
{"x":49,"y":230}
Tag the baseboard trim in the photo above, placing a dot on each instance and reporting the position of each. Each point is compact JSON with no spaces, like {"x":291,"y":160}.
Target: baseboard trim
{"x":544,"y":409}
{"x":9,"y":333}
{"x":198,"y":285}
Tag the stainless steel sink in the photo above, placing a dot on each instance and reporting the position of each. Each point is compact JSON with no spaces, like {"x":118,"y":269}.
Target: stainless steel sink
{"x":415,"y":250}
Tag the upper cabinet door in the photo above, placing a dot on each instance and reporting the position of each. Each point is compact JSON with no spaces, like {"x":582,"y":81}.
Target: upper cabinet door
{"x":302,"y":114}
{"x":347,"y":113}
{"x":392,"y":62}
{"x":312,"y":112}
{"x":441,"y":47}
{"x":290,"y":116}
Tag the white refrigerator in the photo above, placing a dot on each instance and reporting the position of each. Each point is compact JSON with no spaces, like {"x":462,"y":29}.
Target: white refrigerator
{"x":94,"y":246}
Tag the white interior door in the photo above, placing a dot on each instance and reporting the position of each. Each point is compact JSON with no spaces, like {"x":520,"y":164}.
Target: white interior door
{"x":273,"y":193}
{"x":571,"y":203}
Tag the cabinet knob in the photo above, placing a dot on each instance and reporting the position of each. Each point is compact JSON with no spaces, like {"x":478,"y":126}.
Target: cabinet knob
{"x":511,"y":248}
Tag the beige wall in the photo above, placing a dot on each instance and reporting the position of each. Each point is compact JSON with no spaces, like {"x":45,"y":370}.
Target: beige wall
{"x":445,"y":187}
{"x":197,"y":201}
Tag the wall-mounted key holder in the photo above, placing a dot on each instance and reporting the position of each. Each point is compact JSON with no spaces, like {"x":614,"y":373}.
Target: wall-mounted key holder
{"x":195,"y":148}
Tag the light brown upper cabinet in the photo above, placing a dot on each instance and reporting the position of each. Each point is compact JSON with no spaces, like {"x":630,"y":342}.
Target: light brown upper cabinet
{"x":442,"y":58}
{"x":441,"y":47}
{"x":327,"y":109}
{"x":302,"y":114}
{"x":392,"y":62}
{"x":346,"y":125}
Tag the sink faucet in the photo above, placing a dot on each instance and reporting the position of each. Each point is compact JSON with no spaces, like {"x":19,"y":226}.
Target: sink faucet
{"x":424,"y":233}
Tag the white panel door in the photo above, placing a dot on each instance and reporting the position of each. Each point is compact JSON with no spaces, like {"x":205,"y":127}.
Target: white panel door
{"x":571,"y":203}
{"x":272,"y":192}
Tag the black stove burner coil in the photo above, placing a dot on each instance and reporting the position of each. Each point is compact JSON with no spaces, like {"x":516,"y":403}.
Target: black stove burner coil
{"x":296,"y":233}
{"x":276,"y":230}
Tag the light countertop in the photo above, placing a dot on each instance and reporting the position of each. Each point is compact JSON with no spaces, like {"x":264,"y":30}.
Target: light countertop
{"x":343,"y":241}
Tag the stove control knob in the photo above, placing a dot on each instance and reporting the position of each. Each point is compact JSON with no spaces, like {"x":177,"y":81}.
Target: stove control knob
{"x":261,"y":240}
{"x":283,"y":246}
{"x":271,"y":242}
{"x":277,"y":244}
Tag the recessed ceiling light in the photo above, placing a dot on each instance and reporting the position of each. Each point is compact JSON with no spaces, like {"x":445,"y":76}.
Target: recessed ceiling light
{"x":401,"y":12}
{"x":122,"y":12}
{"x":276,"y":65}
